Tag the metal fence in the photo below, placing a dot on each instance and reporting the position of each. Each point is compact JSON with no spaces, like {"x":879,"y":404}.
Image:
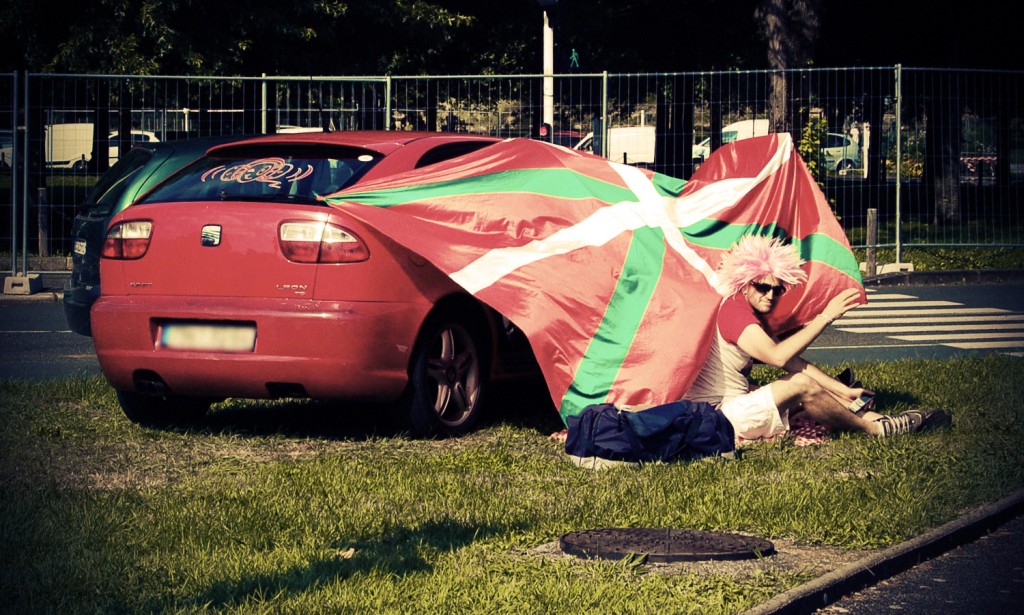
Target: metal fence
{"x":938,"y":154}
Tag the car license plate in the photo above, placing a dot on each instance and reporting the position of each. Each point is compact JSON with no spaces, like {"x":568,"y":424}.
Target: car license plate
{"x":215,"y":337}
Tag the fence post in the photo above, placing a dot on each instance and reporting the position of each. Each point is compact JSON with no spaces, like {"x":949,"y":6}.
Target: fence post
{"x":263,"y":103}
{"x":871,"y":268}
{"x":44,"y":223}
{"x":604,"y":115}
{"x":899,"y":164}
{"x":17,"y":154}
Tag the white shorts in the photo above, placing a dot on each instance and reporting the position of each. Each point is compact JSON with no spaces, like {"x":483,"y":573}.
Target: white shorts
{"x":755,"y":415}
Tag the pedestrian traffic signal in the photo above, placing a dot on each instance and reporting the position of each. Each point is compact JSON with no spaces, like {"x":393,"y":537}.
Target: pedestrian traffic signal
{"x":545,"y":133}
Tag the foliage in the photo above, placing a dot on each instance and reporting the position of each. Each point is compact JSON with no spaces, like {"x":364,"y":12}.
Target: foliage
{"x":911,"y":153}
{"x":951,"y":258}
{"x":342,"y":37}
{"x":194,"y":37}
{"x":296,"y":507}
{"x":811,"y":138}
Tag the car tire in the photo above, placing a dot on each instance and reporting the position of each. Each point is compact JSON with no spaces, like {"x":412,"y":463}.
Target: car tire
{"x":162,"y":410}
{"x":844,"y":165}
{"x":447,"y":378}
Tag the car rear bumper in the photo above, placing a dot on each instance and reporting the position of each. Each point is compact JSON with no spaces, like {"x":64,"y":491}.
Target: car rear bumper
{"x":78,"y":301}
{"x":326,"y":350}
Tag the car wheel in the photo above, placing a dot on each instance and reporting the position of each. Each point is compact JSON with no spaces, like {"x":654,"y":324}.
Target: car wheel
{"x":162,"y":410}
{"x":844,"y":165}
{"x":447,"y":379}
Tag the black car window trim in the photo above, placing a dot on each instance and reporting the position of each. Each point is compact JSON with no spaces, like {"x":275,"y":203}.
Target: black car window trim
{"x":447,"y":151}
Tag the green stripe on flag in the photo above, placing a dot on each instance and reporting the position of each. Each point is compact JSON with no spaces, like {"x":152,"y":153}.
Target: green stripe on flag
{"x":555,"y":183}
{"x":824,"y":249}
{"x":667,"y":185}
{"x":611,"y":343}
{"x":722,"y":235}
{"x":815,"y":247}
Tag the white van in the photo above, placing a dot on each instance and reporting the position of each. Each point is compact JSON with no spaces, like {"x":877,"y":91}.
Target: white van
{"x":68,"y":146}
{"x":627,"y":144}
{"x":733,"y":132}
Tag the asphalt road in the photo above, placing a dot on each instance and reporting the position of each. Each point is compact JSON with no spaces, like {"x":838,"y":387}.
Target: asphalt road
{"x":37,"y":343}
{"x":927,"y":322}
{"x":983,"y":576}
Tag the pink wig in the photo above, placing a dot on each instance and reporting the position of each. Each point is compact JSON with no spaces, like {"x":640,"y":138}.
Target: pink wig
{"x":755,"y":256}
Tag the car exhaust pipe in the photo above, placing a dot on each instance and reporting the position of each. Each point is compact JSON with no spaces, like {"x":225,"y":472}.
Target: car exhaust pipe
{"x":149,"y":382}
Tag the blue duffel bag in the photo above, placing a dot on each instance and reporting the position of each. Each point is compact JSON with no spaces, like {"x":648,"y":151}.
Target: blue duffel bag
{"x":669,"y":432}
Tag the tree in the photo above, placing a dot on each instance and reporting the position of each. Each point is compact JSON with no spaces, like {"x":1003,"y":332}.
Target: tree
{"x":195,"y":37}
{"x":790,"y":29}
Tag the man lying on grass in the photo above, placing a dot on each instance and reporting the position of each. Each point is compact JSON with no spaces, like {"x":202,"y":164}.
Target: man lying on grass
{"x":753,"y":275}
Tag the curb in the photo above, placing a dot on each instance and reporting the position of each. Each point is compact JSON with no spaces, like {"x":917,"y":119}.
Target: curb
{"x":887,"y":563}
{"x":47,"y":296}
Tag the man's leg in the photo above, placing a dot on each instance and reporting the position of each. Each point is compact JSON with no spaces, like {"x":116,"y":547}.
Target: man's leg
{"x":799,"y":391}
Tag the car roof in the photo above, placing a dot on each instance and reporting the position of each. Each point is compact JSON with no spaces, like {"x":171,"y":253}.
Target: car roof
{"x":380,"y":141}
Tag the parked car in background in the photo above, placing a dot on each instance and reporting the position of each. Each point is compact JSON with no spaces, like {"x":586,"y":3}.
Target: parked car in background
{"x":735,"y":131}
{"x":233,"y":278}
{"x":565,"y":138}
{"x":146,"y":164}
{"x":137,"y":136}
{"x":840,"y":153}
{"x":6,"y":149}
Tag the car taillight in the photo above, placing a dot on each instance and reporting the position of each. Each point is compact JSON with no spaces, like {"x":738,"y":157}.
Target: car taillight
{"x":127,"y":240}
{"x":317,"y":242}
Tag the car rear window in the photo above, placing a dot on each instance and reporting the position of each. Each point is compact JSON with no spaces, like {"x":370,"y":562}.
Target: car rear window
{"x":107,"y":192}
{"x":301,"y":174}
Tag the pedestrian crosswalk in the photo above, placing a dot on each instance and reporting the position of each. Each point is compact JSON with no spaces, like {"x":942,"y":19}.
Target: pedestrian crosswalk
{"x":906,"y":318}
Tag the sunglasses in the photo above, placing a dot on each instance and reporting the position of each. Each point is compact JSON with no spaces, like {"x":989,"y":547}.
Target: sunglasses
{"x":764,"y":288}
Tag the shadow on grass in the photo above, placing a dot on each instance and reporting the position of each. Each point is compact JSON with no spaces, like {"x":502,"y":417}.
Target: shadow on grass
{"x":404,"y":551}
{"x":893,"y":402}
{"x":523,"y":403}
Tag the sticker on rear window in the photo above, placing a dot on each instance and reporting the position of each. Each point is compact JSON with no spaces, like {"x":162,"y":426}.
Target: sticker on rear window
{"x":270,"y":171}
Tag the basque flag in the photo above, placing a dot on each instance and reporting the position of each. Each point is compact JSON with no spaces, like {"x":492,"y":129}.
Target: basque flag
{"x":608,"y":269}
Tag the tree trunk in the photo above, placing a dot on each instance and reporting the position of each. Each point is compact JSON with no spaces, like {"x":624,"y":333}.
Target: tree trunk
{"x":942,"y":147}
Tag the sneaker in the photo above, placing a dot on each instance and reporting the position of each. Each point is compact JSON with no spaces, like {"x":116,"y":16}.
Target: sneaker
{"x":903,"y":423}
{"x":935,"y":419}
{"x":846,"y":377}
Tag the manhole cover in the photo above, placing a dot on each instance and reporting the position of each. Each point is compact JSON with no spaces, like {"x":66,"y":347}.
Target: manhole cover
{"x":663,"y":545}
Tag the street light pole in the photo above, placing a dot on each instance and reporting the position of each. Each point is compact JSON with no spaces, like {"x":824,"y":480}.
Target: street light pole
{"x":549,"y":71}
{"x":548,"y":102}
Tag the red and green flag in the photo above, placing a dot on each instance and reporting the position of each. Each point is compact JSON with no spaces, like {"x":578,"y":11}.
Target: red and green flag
{"x":608,"y":269}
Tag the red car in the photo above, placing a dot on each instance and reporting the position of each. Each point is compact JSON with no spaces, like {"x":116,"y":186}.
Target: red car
{"x":233,"y":279}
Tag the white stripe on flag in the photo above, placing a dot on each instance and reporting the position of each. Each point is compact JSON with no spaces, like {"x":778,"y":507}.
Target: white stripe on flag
{"x":651,"y":209}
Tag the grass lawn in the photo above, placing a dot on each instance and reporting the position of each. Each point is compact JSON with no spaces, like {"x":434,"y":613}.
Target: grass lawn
{"x":291,"y":507}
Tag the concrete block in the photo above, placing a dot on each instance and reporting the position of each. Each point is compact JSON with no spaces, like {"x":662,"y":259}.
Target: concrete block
{"x":881,"y":268}
{"x":895,"y":268}
{"x":22,"y":284}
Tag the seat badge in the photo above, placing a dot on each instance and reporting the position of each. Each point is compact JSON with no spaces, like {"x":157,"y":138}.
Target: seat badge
{"x":211,"y":235}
